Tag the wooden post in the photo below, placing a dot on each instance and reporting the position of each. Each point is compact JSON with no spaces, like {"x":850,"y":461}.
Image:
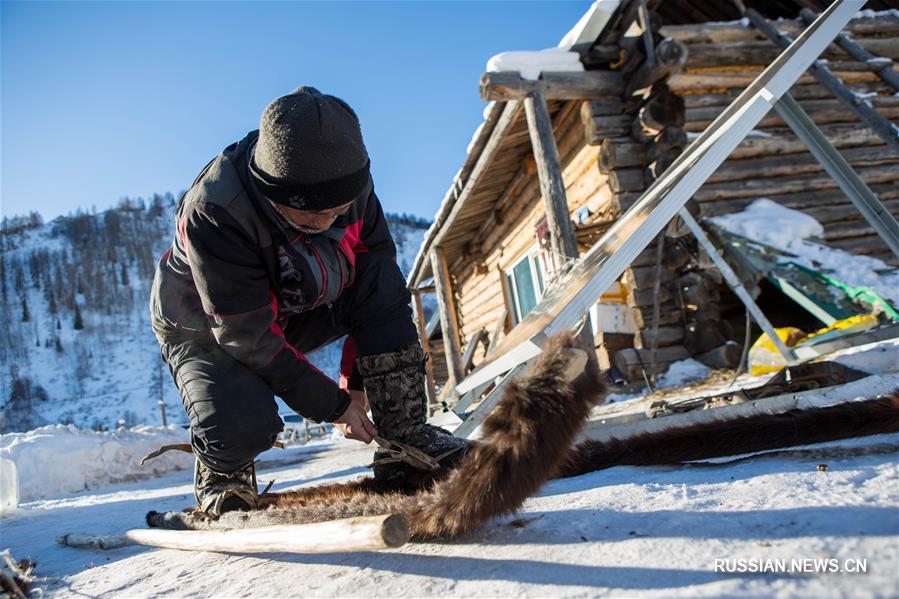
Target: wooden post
{"x":549,"y":172}
{"x":448,"y":322}
{"x":165,"y":420}
{"x":425,"y":346}
{"x":552,"y":188}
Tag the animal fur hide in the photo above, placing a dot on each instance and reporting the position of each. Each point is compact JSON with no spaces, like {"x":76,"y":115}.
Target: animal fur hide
{"x":525,"y":440}
{"x":738,"y":436}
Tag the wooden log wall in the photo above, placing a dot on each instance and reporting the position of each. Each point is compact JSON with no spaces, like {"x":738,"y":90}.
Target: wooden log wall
{"x":772,"y":162}
{"x":639,"y":137}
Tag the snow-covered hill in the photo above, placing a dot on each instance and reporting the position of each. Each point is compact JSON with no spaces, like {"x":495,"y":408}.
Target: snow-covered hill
{"x":74,"y":292}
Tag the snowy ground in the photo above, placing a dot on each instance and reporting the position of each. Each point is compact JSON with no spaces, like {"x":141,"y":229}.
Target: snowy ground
{"x":623,"y":531}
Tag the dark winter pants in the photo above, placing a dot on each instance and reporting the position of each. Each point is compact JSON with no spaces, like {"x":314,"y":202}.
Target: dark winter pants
{"x":233,"y":414}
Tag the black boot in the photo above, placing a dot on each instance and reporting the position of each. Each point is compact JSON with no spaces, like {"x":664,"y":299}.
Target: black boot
{"x":395,"y":386}
{"x":217,"y":493}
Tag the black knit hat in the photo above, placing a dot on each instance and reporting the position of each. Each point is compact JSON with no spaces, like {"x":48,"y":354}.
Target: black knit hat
{"x":310,"y":154}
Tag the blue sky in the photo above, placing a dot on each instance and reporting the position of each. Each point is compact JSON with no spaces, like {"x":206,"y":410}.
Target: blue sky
{"x":101,"y":100}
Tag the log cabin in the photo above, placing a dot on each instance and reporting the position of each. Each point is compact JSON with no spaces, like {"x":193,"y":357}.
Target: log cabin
{"x":656,"y":74}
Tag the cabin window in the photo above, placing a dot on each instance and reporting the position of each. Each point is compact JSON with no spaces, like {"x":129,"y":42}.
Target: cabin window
{"x":526,"y":283}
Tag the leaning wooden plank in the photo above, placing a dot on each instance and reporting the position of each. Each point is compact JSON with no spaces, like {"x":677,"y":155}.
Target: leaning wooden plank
{"x":336,"y":536}
{"x":569,"y":299}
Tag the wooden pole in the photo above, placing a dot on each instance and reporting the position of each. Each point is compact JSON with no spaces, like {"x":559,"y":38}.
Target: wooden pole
{"x":425,"y":346}
{"x":334,"y":536}
{"x":448,"y":321}
{"x":549,"y":173}
{"x":165,"y":420}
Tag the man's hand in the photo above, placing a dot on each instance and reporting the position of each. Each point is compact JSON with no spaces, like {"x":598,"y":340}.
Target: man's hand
{"x":354,"y":423}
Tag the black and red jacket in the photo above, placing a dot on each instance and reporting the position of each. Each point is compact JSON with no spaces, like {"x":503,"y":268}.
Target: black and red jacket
{"x":235,"y":274}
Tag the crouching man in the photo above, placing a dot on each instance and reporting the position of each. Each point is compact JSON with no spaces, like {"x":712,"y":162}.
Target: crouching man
{"x":280,"y":248}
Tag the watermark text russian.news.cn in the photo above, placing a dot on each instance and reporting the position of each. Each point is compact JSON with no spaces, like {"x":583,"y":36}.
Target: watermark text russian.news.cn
{"x":790,"y":566}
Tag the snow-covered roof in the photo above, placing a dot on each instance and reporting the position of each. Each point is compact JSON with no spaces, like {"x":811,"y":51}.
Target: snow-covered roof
{"x":590,"y":25}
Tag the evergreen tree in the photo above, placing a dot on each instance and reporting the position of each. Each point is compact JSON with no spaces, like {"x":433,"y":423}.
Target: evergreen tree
{"x":3,"y":291}
{"x":124,"y":275}
{"x":58,"y":345}
{"x":79,"y":323}
{"x":26,"y":315}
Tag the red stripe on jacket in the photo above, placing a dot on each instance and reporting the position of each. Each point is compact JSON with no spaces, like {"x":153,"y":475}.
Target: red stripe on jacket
{"x":277,"y":330}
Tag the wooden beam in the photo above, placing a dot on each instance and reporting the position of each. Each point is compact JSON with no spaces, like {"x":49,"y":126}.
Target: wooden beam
{"x":549,"y":172}
{"x":621,"y":153}
{"x":448,"y":320}
{"x":584,"y":85}
{"x":430,"y":388}
{"x":670,"y":57}
{"x":601,"y":55}
{"x":468,"y":357}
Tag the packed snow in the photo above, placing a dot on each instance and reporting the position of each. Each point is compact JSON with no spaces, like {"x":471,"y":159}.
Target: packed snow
{"x":770,"y":223}
{"x":789,"y":230}
{"x":683,"y":372}
{"x":59,"y":459}
{"x":656,"y":531}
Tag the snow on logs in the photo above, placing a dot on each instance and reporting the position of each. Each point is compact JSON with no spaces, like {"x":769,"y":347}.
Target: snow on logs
{"x":509,"y":85}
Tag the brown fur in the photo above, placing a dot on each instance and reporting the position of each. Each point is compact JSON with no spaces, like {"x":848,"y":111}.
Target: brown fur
{"x":741,"y":435}
{"x":525,"y":439}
